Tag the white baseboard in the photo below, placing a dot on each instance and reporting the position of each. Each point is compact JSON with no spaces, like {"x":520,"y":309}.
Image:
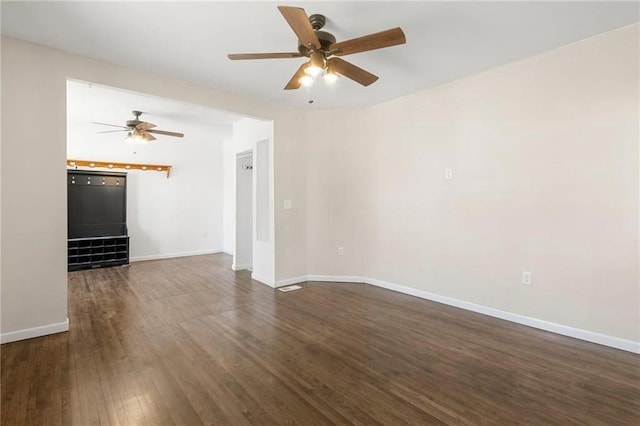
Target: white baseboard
{"x":292,"y":280}
{"x":336,"y":278}
{"x":263,"y":280}
{"x":240,"y":267}
{"x":172,"y":255}
{"x":589,"y":336}
{"x":322,"y":278}
{"x":29,"y":333}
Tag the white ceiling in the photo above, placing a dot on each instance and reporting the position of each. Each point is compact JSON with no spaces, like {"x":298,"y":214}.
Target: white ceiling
{"x":190,"y":40}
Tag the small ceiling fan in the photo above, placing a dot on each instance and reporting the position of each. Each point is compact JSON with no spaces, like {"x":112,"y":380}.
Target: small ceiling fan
{"x":139,"y":130}
{"x":323,"y":51}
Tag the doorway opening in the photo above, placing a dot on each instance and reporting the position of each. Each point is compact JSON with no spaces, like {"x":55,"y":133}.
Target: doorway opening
{"x":243,"y":254}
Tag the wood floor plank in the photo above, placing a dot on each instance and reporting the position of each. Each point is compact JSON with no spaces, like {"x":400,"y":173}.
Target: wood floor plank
{"x":188,"y":341}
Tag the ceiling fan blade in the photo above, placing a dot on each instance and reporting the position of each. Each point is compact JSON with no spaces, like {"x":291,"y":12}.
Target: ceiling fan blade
{"x":298,"y":20}
{"x":374,"y":41}
{"x":164,"y":132}
{"x":351,"y":71}
{"x":241,"y":56}
{"x":145,"y":126}
{"x":112,"y":131}
{"x":112,"y":125}
{"x":294,"y":83}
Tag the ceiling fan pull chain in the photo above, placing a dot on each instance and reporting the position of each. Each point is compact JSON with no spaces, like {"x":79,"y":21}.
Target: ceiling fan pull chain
{"x":310,"y":95}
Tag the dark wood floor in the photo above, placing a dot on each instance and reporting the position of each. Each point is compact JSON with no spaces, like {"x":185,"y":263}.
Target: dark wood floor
{"x":187,"y":341}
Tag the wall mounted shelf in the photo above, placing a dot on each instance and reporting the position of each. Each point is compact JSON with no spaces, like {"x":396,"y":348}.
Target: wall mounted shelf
{"x":115,"y":165}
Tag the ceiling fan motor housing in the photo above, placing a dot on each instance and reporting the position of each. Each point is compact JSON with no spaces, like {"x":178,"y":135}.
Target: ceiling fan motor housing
{"x":317,"y":21}
{"x":326,"y":40}
{"x":136,"y":121}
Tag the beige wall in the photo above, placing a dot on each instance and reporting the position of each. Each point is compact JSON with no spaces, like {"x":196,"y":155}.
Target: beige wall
{"x":338,"y":158}
{"x":545,"y":160}
{"x":34,"y":283}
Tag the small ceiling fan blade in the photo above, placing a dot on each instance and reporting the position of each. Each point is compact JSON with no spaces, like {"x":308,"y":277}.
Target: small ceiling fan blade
{"x":294,"y":83}
{"x":374,"y":41}
{"x":242,"y":56}
{"x":164,"y":132}
{"x":145,"y":126}
{"x":112,"y":131}
{"x":298,"y":20}
{"x":351,"y":71}
{"x":112,"y":125}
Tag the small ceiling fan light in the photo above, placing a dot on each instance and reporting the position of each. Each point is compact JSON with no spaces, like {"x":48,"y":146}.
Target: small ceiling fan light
{"x":315,"y":64}
{"x":306,"y":81}
{"x":330,"y":78}
{"x":313,"y":71}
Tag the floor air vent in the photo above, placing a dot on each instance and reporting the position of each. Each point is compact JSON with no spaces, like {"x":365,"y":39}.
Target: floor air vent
{"x":290,"y":288}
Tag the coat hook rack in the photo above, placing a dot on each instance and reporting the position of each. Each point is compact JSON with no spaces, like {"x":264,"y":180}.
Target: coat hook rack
{"x":115,"y":165}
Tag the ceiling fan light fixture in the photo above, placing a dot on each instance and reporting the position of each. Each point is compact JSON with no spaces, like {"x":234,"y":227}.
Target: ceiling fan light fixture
{"x":315,"y":64}
{"x":313,"y":71}
{"x":321,"y":47}
{"x":306,"y":80}
{"x":135,"y":137}
{"x":330,"y":78}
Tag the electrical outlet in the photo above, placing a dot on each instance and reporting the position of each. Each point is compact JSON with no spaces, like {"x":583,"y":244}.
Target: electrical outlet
{"x":526,"y":278}
{"x":340,"y":251}
{"x":448,"y":174}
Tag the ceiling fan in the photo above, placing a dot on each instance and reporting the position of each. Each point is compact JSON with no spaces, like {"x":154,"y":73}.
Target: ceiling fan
{"x":139,"y":130}
{"x":323,"y":51}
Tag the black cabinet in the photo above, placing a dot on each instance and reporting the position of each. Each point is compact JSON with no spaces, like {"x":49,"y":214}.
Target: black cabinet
{"x":97,"y":219}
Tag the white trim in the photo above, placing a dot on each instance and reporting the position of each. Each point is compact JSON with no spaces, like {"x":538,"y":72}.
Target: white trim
{"x":263,"y":280}
{"x":337,"y":278}
{"x":291,"y":281}
{"x":244,"y":154}
{"x":172,"y":255}
{"x":30,"y":333}
{"x":241,"y":267}
{"x":565,"y":330}
{"x":322,"y":278}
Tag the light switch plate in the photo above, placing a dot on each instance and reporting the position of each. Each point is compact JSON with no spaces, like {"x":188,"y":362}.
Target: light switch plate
{"x":287,"y":204}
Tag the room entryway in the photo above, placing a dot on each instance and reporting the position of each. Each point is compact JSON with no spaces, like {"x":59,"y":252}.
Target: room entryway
{"x":243,"y":255}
